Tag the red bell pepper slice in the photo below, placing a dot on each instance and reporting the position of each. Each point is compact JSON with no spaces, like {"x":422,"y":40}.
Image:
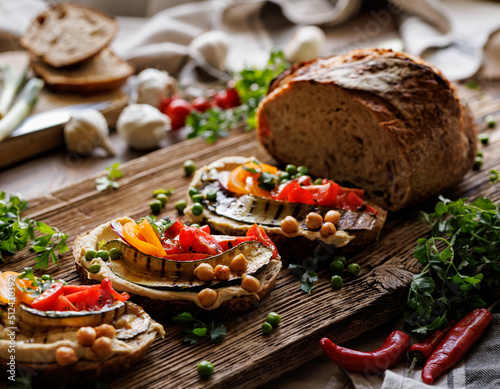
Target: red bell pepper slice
{"x":133,"y":237}
{"x":259,"y":233}
{"x":107,"y":286}
{"x":46,"y":301}
{"x":194,"y":240}
{"x":63,"y":304}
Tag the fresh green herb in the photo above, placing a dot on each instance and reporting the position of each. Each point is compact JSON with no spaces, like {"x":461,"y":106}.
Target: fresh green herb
{"x":268,"y":181}
{"x":307,"y":277}
{"x":251,"y":85}
{"x":494,"y":176}
{"x":461,"y":263}
{"x":109,"y":181}
{"x":16,"y":233}
{"x":43,"y":283}
{"x":197,"y":330}
{"x":159,"y":226}
{"x":473,"y":84}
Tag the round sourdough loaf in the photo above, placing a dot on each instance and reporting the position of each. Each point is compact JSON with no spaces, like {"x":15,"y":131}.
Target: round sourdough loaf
{"x":384,"y":121}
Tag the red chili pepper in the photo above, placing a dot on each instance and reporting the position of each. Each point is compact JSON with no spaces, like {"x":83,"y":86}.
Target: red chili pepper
{"x":420,"y":352}
{"x":456,"y":343}
{"x":390,"y":353}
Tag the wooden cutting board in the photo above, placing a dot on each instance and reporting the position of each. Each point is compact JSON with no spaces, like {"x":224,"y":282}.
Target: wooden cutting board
{"x":17,"y":148}
{"x":247,"y":358}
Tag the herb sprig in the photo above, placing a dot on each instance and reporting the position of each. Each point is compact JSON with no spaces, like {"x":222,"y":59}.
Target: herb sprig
{"x":197,"y":329}
{"x":16,"y":233}
{"x":461,"y":263}
{"x":109,"y":181}
{"x":307,"y":277}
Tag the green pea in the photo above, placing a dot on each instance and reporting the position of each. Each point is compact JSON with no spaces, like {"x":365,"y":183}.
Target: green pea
{"x":156,"y":207}
{"x":189,"y":167}
{"x":115,"y":253}
{"x":197,"y":209}
{"x":273,"y":318}
{"x":193,"y":191}
{"x":285,"y":177}
{"x":291,"y":169}
{"x":104,"y":255}
{"x":90,"y":255}
{"x":163,"y":198}
{"x":478,"y":163}
{"x":479,"y":154}
{"x":94,"y":268}
{"x":336,"y":282}
{"x":353,"y":269}
{"x":490,"y":121}
{"x":211,"y":194}
{"x":266,"y":328}
{"x":205,"y":369}
{"x":318,"y":181}
{"x":484,"y":138}
{"x":180,"y":205}
{"x":302,"y":170}
{"x":197,"y":198}
{"x":283,"y":180}
{"x":340,"y":258}
{"x":46,"y":277}
{"x":336,"y":266}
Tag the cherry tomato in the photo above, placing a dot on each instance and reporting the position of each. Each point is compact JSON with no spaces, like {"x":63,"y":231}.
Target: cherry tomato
{"x":165,"y":102}
{"x":261,"y":236}
{"x":201,"y":104}
{"x":177,"y":111}
{"x":227,"y":98}
{"x":47,"y":299}
{"x":194,"y":240}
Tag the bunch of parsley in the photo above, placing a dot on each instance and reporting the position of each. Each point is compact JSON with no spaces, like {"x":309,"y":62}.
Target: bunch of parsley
{"x":197,"y":329}
{"x":16,"y":233}
{"x":252,"y":86}
{"x":461,"y":263}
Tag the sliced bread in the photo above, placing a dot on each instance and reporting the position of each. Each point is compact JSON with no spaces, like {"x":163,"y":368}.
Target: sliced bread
{"x":66,"y":34}
{"x":101,"y":73}
{"x":383,"y":121}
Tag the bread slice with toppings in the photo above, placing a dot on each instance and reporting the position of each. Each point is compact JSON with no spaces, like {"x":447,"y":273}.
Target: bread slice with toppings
{"x":383,"y":121}
{"x":67,"y":34}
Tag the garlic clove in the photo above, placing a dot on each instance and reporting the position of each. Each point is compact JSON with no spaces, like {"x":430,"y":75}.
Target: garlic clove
{"x":212,"y":46}
{"x":306,"y":43}
{"x":87,"y":130}
{"x":153,"y":85}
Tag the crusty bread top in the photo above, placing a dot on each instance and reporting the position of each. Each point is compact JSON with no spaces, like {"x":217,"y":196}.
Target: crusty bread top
{"x":103,"y":72}
{"x":67,"y":33}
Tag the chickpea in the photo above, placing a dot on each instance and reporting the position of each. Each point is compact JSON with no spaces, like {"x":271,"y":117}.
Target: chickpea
{"x":106,"y":330}
{"x":332,"y":216}
{"x":86,"y":336}
{"x":250,"y":284}
{"x":290,"y":225}
{"x":327,"y":229}
{"x":222,"y":272}
{"x":102,"y":347}
{"x":207,"y":297}
{"x":204,"y":272}
{"x":239,"y":263}
{"x":66,"y":356}
{"x":314,"y":221}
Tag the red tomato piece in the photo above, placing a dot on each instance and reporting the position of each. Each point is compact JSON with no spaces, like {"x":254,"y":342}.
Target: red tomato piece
{"x":63,"y":304}
{"x":201,"y":104}
{"x":370,"y":209}
{"x":304,"y":180}
{"x":301,"y":195}
{"x":228,"y":98}
{"x":172,"y":231}
{"x":325,"y":194}
{"x":107,"y":286}
{"x":228,"y":242}
{"x":177,"y":111}
{"x":194,"y":240}
{"x":85,"y":300}
{"x":359,"y":192}
{"x":281,"y":192}
{"x":354,"y":201}
{"x":165,"y":102}
{"x":46,"y":301}
{"x":172,"y":246}
{"x":205,"y":228}
{"x":70,"y":289}
{"x":258,"y":232}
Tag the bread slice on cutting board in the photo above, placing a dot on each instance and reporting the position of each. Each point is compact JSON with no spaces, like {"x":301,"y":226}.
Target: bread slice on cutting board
{"x":380,"y":120}
{"x":66,"y":34}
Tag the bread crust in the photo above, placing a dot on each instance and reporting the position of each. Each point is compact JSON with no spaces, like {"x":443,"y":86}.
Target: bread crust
{"x":400,"y":98}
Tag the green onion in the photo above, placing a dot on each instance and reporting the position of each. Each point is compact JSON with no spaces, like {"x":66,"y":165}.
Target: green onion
{"x":21,"y":108}
{"x":10,"y":86}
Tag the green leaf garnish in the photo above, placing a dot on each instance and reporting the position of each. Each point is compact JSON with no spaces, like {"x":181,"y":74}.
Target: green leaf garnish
{"x":197,"y":329}
{"x":109,"y":181}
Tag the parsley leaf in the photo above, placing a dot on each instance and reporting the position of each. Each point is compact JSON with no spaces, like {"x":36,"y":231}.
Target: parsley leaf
{"x":109,"y":181}
{"x":197,"y":329}
{"x":307,"y":277}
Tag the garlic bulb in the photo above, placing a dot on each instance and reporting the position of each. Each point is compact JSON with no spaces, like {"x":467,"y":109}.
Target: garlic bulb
{"x":87,"y":130}
{"x":142,"y":126}
{"x":213,"y":46}
{"x":153,"y":85}
{"x":306,"y":43}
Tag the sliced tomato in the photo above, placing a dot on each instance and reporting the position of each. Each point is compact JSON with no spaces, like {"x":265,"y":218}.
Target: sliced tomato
{"x":304,"y":180}
{"x":63,"y":304}
{"x":205,"y":228}
{"x":228,"y":242}
{"x":108,"y":287}
{"x":7,"y":279}
{"x":301,"y":195}
{"x":238,"y":178}
{"x":325,"y":194}
{"x":47,"y":299}
{"x":236,"y":182}
{"x":258,"y":232}
{"x":69,"y":289}
{"x":369,"y":208}
{"x":281,"y":192}
{"x":150,"y":235}
{"x":187,"y":256}
{"x":172,"y":246}
{"x":194,"y":240}
{"x":359,"y":192}
{"x":172,"y":231}
{"x":133,"y":237}
{"x":85,"y":300}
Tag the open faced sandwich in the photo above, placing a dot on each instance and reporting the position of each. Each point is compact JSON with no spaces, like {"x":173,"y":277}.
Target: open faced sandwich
{"x":61,"y":333}
{"x":170,"y":267}
{"x":295,"y":210}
